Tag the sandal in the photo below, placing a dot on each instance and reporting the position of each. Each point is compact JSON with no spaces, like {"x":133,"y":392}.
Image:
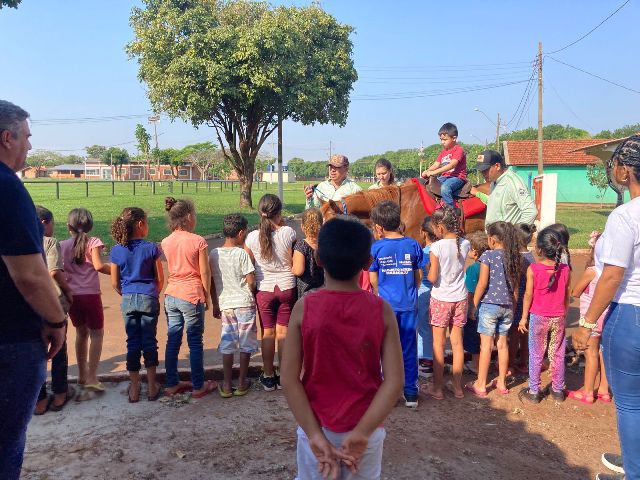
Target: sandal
{"x":134,"y":399}
{"x":449,"y":386}
{"x":604,"y":397}
{"x":470,"y":387}
{"x":82,"y":395}
{"x":579,"y":396}
{"x":153,"y":398}
{"x":47,"y":406}
{"x":494,"y":385}
{"x":427,"y":388}
{"x":183,"y":388}
{"x":242,"y":391}
{"x":95,"y":387}
{"x":209,"y":386}
{"x":71,"y":393}
{"x":224,"y":393}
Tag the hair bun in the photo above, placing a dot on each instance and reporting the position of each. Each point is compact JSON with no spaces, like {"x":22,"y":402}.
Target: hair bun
{"x":169,"y":202}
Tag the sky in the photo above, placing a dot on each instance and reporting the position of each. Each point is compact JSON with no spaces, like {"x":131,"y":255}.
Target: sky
{"x":65,"y":59}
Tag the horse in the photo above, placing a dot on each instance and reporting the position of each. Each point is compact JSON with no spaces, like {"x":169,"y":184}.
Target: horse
{"x":412,"y":212}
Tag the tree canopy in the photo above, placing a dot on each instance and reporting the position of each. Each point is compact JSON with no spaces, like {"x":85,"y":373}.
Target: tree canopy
{"x":9,"y":3}
{"x":240,"y":66}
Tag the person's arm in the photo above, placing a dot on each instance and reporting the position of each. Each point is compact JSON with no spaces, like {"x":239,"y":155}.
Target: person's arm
{"x":328,"y":456}
{"x":445,"y":168}
{"x":248,"y":250}
{"x":484,"y":198}
{"x":429,"y":171}
{"x":297,"y":263}
{"x":481,"y":287}
{"x":159,"y":274}
{"x":205,"y":275}
{"x":567,"y":294}
{"x":251,"y":281}
{"x":417,"y":277}
{"x":31,"y":277}
{"x":527,"y":299}
{"x":583,"y":282}
{"x":215,"y":302}
{"x":373,"y":280}
{"x":61,"y":280}
{"x":385,"y":399}
{"x":434,"y":268}
{"x":115,"y":278}
{"x":98,"y":264}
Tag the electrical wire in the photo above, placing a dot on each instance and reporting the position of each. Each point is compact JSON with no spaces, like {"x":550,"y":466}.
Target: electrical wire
{"x":80,"y":120}
{"x":594,"y":75}
{"x":590,"y":31}
{"x":525,"y":93}
{"x":548,"y":82}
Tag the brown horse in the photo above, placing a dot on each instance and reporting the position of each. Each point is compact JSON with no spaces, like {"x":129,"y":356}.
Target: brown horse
{"x":412,"y":212}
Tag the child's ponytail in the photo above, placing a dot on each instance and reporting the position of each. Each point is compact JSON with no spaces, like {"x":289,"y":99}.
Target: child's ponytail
{"x":551,"y":246}
{"x":80,"y":222}
{"x":269,"y":207}
{"x":446,"y":216}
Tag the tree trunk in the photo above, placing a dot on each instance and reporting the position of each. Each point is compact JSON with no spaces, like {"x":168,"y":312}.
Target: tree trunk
{"x":246,"y":184}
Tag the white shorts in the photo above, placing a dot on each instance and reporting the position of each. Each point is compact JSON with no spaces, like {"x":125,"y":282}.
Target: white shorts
{"x":370,"y":463}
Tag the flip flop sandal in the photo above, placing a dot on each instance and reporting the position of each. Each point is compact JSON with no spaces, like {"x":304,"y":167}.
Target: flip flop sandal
{"x":153,"y":398}
{"x":604,"y":397}
{"x":494,"y":385}
{"x":224,"y":394}
{"x":241,"y":392}
{"x":182,"y":389}
{"x":579,"y":396}
{"x":82,"y":395}
{"x":471,"y":388}
{"x":71,"y":393}
{"x":133,"y":400}
{"x":46,"y":408}
{"x":451,"y":389}
{"x":209,"y":387}
{"x":425,"y":388}
{"x":95,"y":387}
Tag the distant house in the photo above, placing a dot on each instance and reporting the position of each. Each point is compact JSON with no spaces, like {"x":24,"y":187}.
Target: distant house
{"x":66,"y":171}
{"x":568,"y":158}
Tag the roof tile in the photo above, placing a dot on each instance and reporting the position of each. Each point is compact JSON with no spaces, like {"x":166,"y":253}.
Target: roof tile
{"x":554,"y":152}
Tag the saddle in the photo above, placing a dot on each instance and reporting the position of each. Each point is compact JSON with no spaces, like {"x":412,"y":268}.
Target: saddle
{"x":433,"y":186}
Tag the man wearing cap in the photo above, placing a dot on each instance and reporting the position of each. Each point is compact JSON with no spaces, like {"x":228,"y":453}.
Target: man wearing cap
{"x":336,"y":187}
{"x":509,"y":200}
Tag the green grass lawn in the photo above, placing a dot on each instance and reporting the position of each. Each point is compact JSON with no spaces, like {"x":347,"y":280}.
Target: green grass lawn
{"x":213,"y":205}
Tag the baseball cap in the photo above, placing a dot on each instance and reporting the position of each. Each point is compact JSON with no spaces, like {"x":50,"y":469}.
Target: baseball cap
{"x":488,"y":158}
{"x":339,"y":161}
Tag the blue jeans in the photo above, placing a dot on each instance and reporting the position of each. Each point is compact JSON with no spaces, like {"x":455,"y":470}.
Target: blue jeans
{"x":448,"y":187}
{"x":407,"y":325}
{"x":140,"y":313}
{"x":180,"y":313}
{"x":494,"y":319}
{"x":621,"y":352}
{"x":23,"y":370}
{"x":425,"y":334}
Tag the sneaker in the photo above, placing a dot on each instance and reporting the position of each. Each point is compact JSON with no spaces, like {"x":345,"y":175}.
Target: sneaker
{"x":268,"y":383}
{"x":610,"y":476}
{"x":276,"y":377}
{"x":613,"y":462}
{"x":425,"y":363}
{"x":425,"y":368}
{"x":529,"y":396}
{"x":411,"y":401}
{"x":558,"y":396}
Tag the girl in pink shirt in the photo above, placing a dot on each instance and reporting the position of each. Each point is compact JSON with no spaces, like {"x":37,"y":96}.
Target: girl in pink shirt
{"x":82,"y":260}
{"x":186,"y":297}
{"x":545,"y":304}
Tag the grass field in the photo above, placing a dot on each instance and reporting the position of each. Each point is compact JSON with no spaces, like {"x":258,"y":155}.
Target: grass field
{"x":213,"y":205}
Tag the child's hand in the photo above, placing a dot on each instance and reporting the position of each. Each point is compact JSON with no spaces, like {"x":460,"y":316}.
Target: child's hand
{"x":327,"y":456}
{"x":353,"y":447}
{"x":522,"y":326}
{"x":215,"y":310}
{"x":425,"y":174}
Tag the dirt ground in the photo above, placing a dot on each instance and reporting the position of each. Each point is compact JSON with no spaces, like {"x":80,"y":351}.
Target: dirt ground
{"x":254,"y":436}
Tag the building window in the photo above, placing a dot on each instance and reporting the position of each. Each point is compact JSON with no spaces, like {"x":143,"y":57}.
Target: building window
{"x":183,"y":172}
{"x":92,"y":172}
{"x":136,"y":170}
{"x":166,"y":171}
{"x":152,"y":171}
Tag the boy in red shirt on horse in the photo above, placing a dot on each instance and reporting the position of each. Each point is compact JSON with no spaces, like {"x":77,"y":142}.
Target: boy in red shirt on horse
{"x":338,"y":338}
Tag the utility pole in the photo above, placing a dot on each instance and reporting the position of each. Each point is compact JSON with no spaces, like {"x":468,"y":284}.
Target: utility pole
{"x":540,"y":161}
{"x":280,"y":187}
{"x":498,"y":134}
{"x":155,"y":119}
{"x":330,"y":152}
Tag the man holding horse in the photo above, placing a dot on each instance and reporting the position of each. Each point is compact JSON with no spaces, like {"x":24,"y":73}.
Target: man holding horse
{"x":336,"y":187}
{"x":509,"y":200}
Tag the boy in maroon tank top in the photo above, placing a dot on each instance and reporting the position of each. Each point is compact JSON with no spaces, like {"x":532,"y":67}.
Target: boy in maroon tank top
{"x":338,"y":338}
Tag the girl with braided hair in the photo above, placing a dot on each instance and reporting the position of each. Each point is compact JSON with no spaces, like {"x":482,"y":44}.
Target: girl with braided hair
{"x":136,"y":275}
{"x":546,"y":300}
{"x":448,"y":305}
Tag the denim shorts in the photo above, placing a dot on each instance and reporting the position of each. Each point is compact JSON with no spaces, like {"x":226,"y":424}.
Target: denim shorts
{"x":494,"y":319}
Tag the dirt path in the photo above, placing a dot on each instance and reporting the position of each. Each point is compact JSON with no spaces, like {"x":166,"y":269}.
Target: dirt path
{"x":254,"y":436}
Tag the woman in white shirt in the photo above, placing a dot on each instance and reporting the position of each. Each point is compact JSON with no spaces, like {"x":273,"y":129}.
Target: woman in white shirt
{"x":619,"y":253}
{"x":271,"y":249}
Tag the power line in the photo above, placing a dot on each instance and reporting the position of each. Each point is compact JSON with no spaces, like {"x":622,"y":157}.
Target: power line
{"x":590,"y":31}
{"x":68,"y":121}
{"x":566,"y":104}
{"x":470,"y":66}
{"x":594,"y":75}
{"x":524,"y":94}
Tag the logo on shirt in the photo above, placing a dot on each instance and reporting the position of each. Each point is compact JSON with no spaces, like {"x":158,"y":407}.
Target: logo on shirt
{"x":407,"y":256}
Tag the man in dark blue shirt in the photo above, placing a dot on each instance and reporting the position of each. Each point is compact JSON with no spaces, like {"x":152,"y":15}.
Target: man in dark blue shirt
{"x":31,"y":317}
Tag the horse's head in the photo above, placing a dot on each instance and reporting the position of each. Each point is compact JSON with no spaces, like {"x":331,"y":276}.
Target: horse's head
{"x":329,"y":209}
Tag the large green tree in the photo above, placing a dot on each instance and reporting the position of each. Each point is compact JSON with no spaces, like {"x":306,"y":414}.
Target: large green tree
{"x":9,"y":3}
{"x":116,"y":157}
{"x":240,"y":66}
{"x":144,"y":148}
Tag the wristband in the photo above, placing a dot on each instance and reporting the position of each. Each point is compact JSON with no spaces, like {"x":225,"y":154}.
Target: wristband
{"x":56,"y":324}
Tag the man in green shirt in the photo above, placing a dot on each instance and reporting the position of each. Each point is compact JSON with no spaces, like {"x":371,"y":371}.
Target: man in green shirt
{"x":509,"y":200}
{"x":336,"y":187}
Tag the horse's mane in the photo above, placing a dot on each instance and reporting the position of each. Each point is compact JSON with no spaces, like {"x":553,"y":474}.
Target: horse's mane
{"x":377,"y":195}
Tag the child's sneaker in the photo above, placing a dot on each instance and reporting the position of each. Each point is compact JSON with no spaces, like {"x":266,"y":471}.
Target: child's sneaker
{"x":558,"y":396}
{"x":276,"y":377}
{"x":613,"y":462}
{"x":526,"y":394}
{"x":425,"y":369}
{"x":411,"y":401}
{"x":268,"y":383}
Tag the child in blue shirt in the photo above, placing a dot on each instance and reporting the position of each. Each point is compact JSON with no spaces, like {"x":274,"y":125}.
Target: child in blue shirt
{"x":425,"y":335}
{"x":470,"y":335}
{"x":395,"y":276}
{"x":136,"y":274}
